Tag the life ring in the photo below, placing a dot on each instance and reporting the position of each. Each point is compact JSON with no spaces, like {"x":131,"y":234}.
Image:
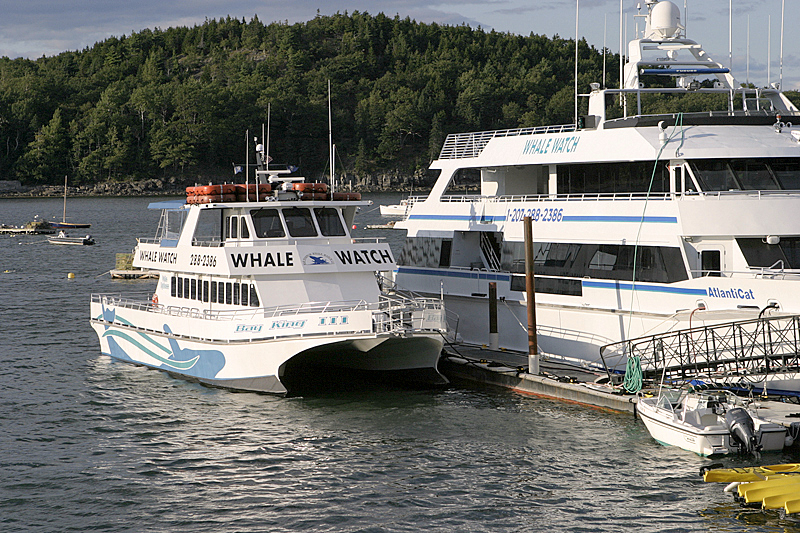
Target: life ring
{"x":213,"y":198}
{"x":346,"y":196}
{"x":210,"y":190}
{"x":313,"y":195}
{"x":310,"y":187}
{"x":263,"y":188}
{"x":242,"y":197}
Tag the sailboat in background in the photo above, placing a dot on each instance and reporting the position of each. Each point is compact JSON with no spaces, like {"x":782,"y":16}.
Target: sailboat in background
{"x":64,"y":224}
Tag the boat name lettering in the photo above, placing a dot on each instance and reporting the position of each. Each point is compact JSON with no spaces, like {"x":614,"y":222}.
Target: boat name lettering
{"x":203,"y":260}
{"x":250,"y":328}
{"x":363,"y":257}
{"x":332,"y":320}
{"x":551,"y":145}
{"x":537,"y":215}
{"x":154,"y":256}
{"x":287,"y":324}
{"x":741,"y":294}
{"x":268,"y":259}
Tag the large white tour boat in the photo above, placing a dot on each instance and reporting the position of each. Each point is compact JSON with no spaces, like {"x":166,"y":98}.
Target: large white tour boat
{"x":267,"y":294}
{"x":642,"y":224}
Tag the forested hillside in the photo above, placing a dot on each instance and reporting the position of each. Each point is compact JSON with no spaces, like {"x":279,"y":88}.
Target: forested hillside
{"x":177,"y":102}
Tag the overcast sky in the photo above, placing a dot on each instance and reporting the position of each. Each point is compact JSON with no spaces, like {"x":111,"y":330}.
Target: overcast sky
{"x":32,"y":28}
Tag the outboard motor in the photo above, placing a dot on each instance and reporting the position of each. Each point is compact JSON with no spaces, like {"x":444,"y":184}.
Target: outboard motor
{"x":742,"y":430}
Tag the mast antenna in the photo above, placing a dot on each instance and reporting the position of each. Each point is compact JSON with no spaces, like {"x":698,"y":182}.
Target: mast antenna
{"x":330,"y":138}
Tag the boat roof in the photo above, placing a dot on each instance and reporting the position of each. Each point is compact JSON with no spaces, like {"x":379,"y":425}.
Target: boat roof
{"x":171,"y":205}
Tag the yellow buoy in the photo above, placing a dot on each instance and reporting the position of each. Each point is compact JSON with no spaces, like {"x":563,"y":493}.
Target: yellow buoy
{"x":71,"y":275}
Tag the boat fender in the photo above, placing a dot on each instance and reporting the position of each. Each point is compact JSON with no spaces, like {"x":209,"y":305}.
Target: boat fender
{"x":742,"y":429}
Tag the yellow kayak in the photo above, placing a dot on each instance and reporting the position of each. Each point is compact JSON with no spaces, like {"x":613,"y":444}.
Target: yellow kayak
{"x":771,"y":481}
{"x":776,"y":488}
{"x":750,"y":473}
{"x":792,"y":506}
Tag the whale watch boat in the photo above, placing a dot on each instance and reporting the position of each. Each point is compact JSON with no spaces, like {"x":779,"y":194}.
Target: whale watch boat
{"x":265,"y":290}
{"x":642,"y":224}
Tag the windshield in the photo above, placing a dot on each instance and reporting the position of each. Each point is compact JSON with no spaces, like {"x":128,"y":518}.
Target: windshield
{"x":747,"y":174}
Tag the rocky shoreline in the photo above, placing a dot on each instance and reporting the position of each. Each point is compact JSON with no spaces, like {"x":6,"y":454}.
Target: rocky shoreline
{"x":177,"y":187}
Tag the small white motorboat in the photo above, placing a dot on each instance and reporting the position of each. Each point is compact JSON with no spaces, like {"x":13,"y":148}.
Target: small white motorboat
{"x":396,"y":210}
{"x":708,"y":422}
{"x":63,"y":238}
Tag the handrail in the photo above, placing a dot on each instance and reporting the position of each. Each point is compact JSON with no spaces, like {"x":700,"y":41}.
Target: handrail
{"x":392,"y":313}
{"x":467,"y":145}
{"x":734,"y":350}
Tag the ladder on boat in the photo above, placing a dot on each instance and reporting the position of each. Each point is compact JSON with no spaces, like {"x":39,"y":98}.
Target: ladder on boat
{"x":761,"y":346}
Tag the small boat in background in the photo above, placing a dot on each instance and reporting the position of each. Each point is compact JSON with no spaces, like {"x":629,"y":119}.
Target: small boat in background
{"x":63,"y":238}
{"x":708,"y":422}
{"x":64,"y":224}
{"x":395,"y":210}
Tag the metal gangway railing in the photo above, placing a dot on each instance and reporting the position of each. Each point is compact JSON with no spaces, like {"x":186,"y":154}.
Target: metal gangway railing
{"x":760,"y":346}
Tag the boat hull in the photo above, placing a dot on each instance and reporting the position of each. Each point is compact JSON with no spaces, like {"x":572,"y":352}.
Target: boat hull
{"x":275,"y":365}
{"x":704,"y":441}
{"x":71,"y":241}
{"x":69,"y":225}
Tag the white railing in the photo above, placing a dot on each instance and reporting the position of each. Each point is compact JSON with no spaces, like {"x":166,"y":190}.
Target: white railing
{"x":466,"y":145}
{"x":391,"y":313}
{"x":583,"y":197}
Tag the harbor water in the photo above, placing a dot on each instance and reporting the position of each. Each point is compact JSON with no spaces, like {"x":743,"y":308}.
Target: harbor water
{"x":89,"y":444}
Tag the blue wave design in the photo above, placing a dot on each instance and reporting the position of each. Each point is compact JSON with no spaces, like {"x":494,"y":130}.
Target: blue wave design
{"x":180,"y":365}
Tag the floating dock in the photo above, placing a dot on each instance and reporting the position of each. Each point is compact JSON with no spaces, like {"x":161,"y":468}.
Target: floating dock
{"x":26,"y":231}
{"x":556,"y":380}
{"x":135,"y":273}
{"x":564,"y":382}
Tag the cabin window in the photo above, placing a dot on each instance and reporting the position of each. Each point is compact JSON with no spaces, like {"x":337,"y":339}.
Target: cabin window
{"x":208,"y":231}
{"x":759,"y":254}
{"x":267,"y":223}
{"x":299,"y":222}
{"x":221,"y":292}
{"x":234,"y":224}
{"x":253,"y":296}
{"x":173,"y":287}
{"x":244,"y":232}
{"x":186,"y":287}
{"x":330,"y":225}
{"x":213,"y":292}
{"x":787,"y":172}
{"x":754,"y":174}
{"x":236,"y":292}
{"x":601,"y":261}
{"x":228,"y":293}
{"x":747,"y":174}
{"x":610,"y":178}
{"x":205,"y":290}
{"x":710,"y":263}
{"x":569,"y":287}
{"x":193,"y":289}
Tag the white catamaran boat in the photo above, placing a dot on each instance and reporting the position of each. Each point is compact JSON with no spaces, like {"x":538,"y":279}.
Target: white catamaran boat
{"x":703,"y":207}
{"x":265,"y":294}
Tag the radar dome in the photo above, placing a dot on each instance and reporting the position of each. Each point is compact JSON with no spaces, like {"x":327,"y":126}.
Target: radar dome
{"x":665,"y":20}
